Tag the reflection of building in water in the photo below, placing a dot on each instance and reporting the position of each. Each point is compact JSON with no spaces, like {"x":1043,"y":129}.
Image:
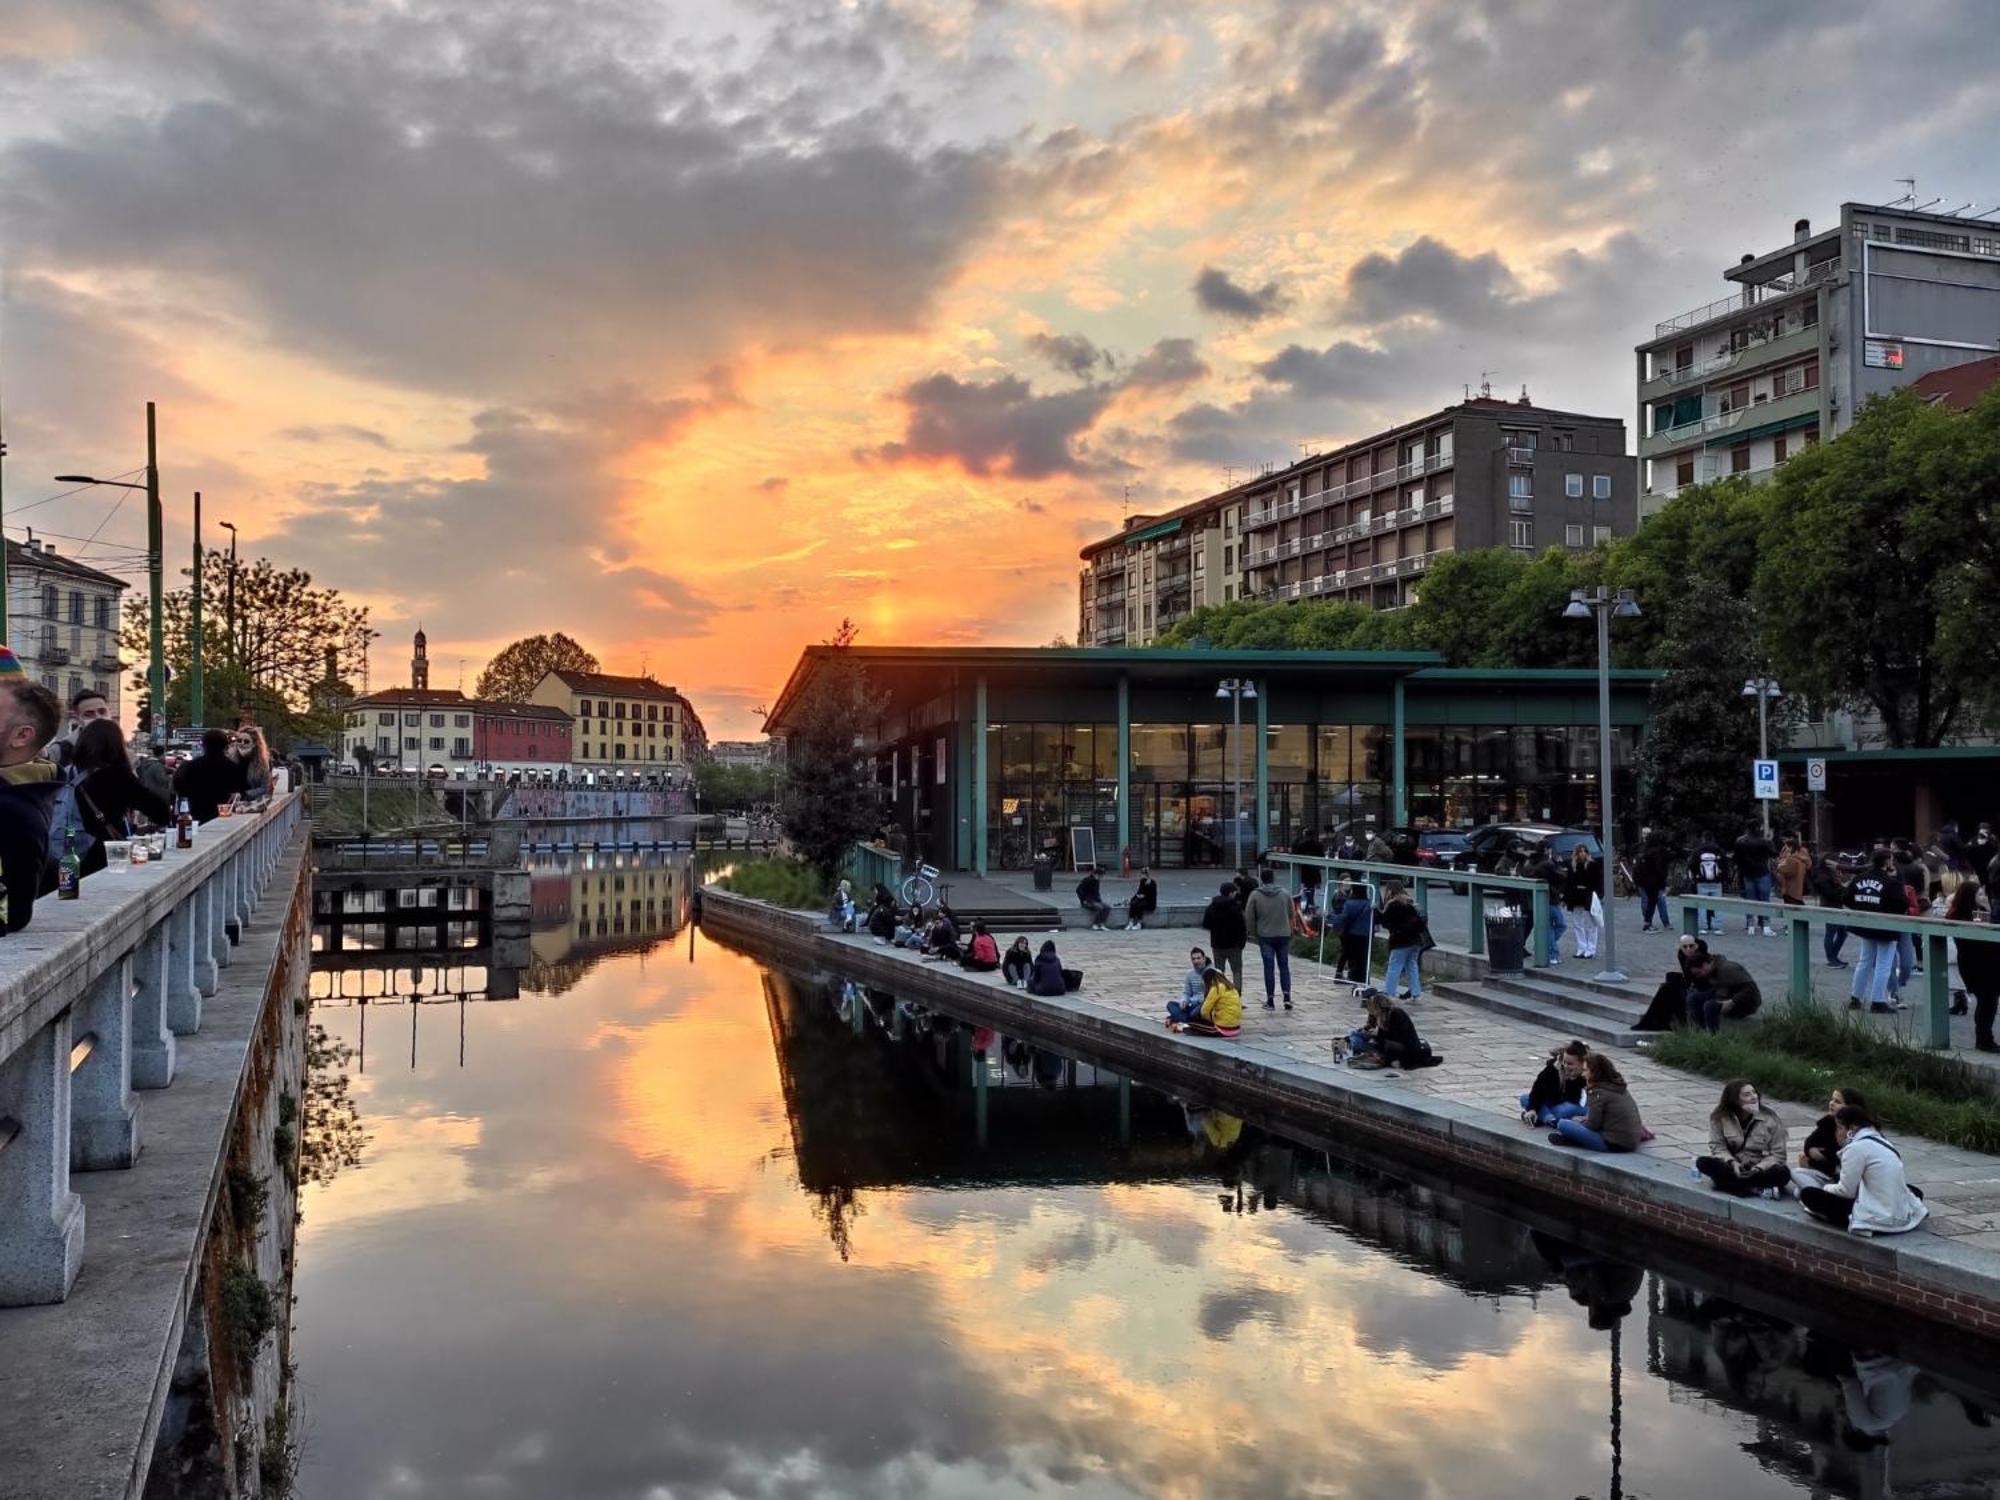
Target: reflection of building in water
{"x":1817,"y":1409}
{"x":587,"y":906}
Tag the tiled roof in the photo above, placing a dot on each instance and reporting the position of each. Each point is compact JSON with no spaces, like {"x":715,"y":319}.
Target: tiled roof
{"x":414,"y":698}
{"x":20,"y":559}
{"x":617,"y":687}
{"x":1959,"y":386}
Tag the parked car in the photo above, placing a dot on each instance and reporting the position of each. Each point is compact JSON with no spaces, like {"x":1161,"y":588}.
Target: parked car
{"x":1433,"y":848}
{"x":1503,"y":848}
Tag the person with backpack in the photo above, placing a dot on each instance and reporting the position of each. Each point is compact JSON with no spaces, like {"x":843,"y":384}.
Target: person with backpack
{"x":102,"y":796}
{"x":1709,"y":870}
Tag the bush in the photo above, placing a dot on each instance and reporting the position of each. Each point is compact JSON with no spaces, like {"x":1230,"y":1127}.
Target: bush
{"x":782,"y":882}
{"x":1801,"y":1051}
{"x":249,"y":1313}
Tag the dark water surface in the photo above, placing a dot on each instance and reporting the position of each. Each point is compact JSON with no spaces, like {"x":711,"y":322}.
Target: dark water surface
{"x":677,"y":1226}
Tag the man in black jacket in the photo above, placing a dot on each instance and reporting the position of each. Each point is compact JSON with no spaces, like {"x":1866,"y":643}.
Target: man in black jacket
{"x":1228,"y":933}
{"x":1090,"y":896}
{"x":211,"y":778}
{"x":29,"y":719}
{"x":1878,"y":892}
{"x":1753,"y":867}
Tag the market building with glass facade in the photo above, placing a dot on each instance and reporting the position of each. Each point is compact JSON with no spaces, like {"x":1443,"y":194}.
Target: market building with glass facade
{"x":988,"y":756}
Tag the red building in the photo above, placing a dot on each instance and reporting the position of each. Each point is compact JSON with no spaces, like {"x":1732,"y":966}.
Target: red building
{"x":520,"y":737}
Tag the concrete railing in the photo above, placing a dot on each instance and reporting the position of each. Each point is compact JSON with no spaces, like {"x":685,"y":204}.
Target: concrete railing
{"x":1419,"y":880}
{"x":1928,"y":934}
{"x":92,"y":995}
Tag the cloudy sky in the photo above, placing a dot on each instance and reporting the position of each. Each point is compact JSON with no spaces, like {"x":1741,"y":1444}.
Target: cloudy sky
{"x":692,"y":327}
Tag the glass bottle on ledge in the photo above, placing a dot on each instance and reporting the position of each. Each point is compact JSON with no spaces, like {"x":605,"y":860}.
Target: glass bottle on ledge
{"x":69,"y":869}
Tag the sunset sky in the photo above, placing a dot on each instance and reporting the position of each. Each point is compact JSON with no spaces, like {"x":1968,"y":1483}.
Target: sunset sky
{"x":691,"y":328}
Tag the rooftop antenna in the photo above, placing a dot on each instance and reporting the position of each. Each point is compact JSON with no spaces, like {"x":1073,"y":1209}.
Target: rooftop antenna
{"x":1926,"y":207}
{"x":1486,"y":384}
{"x":461,"y":674}
{"x":1952,"y":213}
{"x":1987,"y":212}
{"x":1524,"y":394}
{"x":1229,"y":476}
{"x":1126,"y":513}
{"x":1909,"y":191}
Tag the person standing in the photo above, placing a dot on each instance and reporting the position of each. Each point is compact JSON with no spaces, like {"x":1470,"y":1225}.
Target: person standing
{"x":29,"y":719}
{"x":1649,"y":874}
{"x":1824,"y":880}
{"x":1981,"y":852}
{"x":1708,"y":874}
{"x":1794,"y":865}
{"x":1227,"y":932}
{"x":1550,"y":871}
{"x":1269,"y":915}
{"x":1580,"y":887}
{"x":211,"y":778}
{"x":1753,"y":869}
{"x":1875,"y":892}
{"x":1357,"y":930}
{"x":1406,"y":931}
{"x":87,"y":707}
{"x":1978,"y":967}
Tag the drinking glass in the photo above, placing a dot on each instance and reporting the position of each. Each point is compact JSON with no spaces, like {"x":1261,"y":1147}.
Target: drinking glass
{"x":117,"y":854}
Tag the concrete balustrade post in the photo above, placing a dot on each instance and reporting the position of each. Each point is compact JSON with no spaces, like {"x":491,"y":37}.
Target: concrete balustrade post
{"x":41,"y":1220}
{"x":182,"y":987}
{"x":152,"y":1021}
{"x":215,"y":893}
{"x":201,"y":942}
{"x":241,"y":900}
{"x":104,"y":1117}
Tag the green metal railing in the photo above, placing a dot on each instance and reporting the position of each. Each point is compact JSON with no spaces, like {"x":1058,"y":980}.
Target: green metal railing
{"x":1929,"y":933}
{"x":868,"y":863}
{"x":1419,"y":881}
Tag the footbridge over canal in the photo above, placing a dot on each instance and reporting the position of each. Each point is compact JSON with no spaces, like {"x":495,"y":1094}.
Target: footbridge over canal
{"x":151,"y":1074}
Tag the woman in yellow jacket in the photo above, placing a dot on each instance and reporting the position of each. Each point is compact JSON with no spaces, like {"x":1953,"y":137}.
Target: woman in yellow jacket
{"x":1221,"y":1011}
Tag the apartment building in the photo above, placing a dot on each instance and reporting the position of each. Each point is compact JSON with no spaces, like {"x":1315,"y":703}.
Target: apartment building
{"x":63,"y":621}
{"x":630,"y":724}
{"x":1135,"y":585}
{"x":1364,"y":522}
{"x":1811,"y":331}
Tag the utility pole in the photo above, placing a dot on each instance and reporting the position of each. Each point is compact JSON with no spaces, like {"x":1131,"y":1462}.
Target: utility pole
{"x":157,"y":676}
{"x":197,"y":715}
{"x":229,"y":605}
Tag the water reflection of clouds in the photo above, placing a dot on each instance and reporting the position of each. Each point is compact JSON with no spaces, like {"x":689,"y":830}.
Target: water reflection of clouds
{"x":618,"y":1260}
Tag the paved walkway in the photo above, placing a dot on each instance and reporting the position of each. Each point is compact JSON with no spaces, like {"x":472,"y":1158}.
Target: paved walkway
{"x":1490,"y":1060}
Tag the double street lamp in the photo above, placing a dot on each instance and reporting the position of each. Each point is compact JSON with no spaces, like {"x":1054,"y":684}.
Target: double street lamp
{"x":1763,"y":689}
{"x":1603,"y":605}
{"x":1236,"y":689}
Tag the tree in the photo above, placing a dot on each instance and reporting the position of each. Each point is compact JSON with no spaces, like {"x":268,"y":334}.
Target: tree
{"x":1694,"y":763}
{"x":727,"y":788}
{"x":1877,"y":575}
{"x":274,"y":665}
{"x":826,"y":800}
{"x":514,"y":674}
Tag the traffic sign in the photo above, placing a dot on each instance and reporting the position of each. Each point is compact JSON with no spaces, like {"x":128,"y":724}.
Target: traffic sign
{"x":1815,"y":775}
{"x":1764,"y":780}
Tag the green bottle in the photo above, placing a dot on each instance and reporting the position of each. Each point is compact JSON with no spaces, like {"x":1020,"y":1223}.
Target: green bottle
{"x":69,"y":869}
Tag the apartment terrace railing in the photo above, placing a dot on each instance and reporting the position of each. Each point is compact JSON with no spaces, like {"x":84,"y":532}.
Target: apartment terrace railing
{"x":1753,"y":296}
{"x":1333,"y":494}
{"x":92,"y":995}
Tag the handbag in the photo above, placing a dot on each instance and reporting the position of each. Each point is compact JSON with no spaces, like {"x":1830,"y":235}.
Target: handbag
{"x":1596,"y":909}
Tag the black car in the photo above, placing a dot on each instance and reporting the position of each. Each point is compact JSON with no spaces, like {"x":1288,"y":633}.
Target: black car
{"x":1503,"y":848}
{"x":1430,"y":848}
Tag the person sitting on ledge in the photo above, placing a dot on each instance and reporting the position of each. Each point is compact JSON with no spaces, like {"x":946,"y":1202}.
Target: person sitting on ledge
{"x":910,"y":931}
{"x":1746,"y":1145}
{"x":1819,"y":1159}
{"x":840,"y":910}
{"x":1144,"y":902}
{"x":1020,"y":960}
{"x":941,"y":941}
{"x":1388,"y":1038}
{"x":1194,"y":989}
{"x":882,"y":917}
{"x":1090,"y":896}
{"x":1669,"y":1008}
{"x":1557,"y":1092}
{"x":982,"y":954}
{"x":1221,"y":1012}
{"x":1046,"y":978}
{"x":1720,"y":988}
{"x":1611,"y":1118}
{"x":1872,"y":1195}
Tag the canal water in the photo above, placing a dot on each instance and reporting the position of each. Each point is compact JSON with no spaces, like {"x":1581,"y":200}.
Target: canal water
{"x":676,"y":1224}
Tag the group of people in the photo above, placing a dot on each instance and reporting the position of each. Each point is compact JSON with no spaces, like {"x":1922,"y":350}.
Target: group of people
{"x":1141,"y":904}
{"x":934,"y":934}
{"x":77,"y":786}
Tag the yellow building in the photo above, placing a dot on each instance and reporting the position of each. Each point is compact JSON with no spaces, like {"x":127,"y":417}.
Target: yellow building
{"x":632,"y":725}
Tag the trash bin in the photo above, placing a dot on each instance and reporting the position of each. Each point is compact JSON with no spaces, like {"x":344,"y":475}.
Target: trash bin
{"x":1045,"y":873}
{"x":1506,"y":941}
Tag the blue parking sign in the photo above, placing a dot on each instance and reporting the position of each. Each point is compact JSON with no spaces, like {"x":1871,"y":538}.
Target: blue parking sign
{"x":1764,"y":780}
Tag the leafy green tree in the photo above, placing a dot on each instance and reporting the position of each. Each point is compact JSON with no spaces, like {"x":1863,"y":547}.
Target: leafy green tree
{"x":727,"y":788}
{"x":513,"y":675}
{"x":826,"y":799}
{"x":1876,"y":575}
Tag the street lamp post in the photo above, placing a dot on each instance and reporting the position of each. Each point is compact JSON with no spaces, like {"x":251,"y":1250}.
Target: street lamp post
{"x":1763,"y":689}
{"x":197,"y":714}
{"x":1583,"y":604}
{"x":229,"y":603}
{"x":1236,"y":689}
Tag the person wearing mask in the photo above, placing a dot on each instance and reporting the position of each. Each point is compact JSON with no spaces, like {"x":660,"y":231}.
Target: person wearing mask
{"x":1090,"y":896}
{"x":1649,"y":874}
{"x":211,"y":778}
{"x":1557,"y":1092}
{"x":1709,"y":870}
{"x":1875,"y":892}
{"x":1356,"y":925}
{"x":1872,"y":1195}
{"x":1981,"y":852}
{"x":1746,"y":1145}
{"x":1978,"y":967}
{"x":1611,"y":1117}
{"x":1720,"y":988}
{"x":982,"y":954}
{"x":1269,"y":915}
{"x":1379,"y":851}
{"x":1144,"y":902}
{"x":1829,"y":888}
{"x":1228,"y":932}
{"x":1388,"y":1038}
{"x":1221,"y":1010}
{"x":1018,"y":964}
{"x":1046,"y":977}
{"x":29,"y":719}
{"x":1753,"y":868}
{"x":1819,"y":1158}
{"x":107,"y":793}
{"x":1406,"y":931}
{"x":1582,"y":880}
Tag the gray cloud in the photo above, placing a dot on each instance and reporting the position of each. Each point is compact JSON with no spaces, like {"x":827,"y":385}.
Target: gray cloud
{"x":1170,"y":362}
{"x":1343,"y":369}
{"x":1217,"y":293}
{"x":998,"y":426}
{"x":1071,"y":353}
{"x":1431,"y":279}
{"x":336,"y":432}
{"x":772,"y":484}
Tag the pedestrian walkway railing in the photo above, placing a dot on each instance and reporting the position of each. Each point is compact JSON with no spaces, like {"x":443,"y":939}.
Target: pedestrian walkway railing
{"x":92,"y":996}
{"x":868,"y":864}
{"x":1928,"y":935}
{"x":1517,"y":891}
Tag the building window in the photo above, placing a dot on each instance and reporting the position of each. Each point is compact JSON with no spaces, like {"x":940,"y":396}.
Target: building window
{"x":652,"y":711}
{"x":1599,"y":535}
{"x":1228,"y":558}
{"x":617,"y":710}
{"x":410,"y":721}
{"x":437,"y":721}
{"x":1739,"y":459}
{"x":103,"y":614}
{"x":1778,"y":449}
{"x":76,"y":606}
{"x":1600,"y":486}
{"x":410,"y":742}
{"x":461,"y":721}
{"x":461,"y":747}
{"x":1572,"y":536}
{"x":1573,"y":486}
{"x":1684,"y":471}
{"x":1521,"y":534}
{"x":620,"y":752}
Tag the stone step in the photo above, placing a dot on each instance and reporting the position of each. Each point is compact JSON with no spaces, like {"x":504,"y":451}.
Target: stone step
{"x":1604,"y":1002}
{"x":1601,"y":1030}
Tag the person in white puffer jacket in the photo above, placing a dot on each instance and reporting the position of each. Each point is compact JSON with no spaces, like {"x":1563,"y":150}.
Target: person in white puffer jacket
{"x":1872,"y":1195}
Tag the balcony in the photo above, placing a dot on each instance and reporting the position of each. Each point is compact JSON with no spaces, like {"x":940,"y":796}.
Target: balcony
{"x":1762,"y":350}
{"x":1520,"y":455}
{"x":1749,"y":299}
{"x":1734,"y":424}
{"x":106,"y":664}
{"x":53,"y":655}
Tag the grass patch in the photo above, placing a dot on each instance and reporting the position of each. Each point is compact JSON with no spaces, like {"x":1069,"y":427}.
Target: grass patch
{"x":782,"y":882}
{"x":1800,"y":1051}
